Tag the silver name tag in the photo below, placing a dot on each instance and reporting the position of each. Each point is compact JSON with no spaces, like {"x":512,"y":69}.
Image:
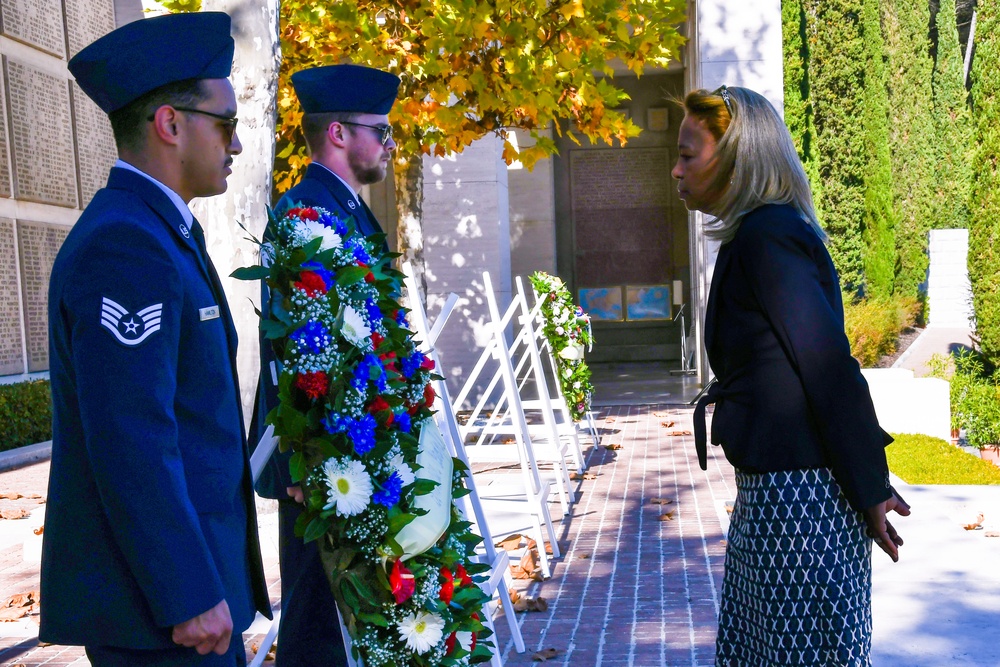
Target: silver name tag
{"x":209,"y":313}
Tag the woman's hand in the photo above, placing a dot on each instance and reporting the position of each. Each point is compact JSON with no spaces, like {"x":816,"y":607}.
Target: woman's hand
{"x":881,"y":530}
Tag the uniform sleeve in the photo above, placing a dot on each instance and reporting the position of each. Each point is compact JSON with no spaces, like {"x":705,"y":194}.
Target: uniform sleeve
{"x":127,"y":384}
{"x":783,"y":262}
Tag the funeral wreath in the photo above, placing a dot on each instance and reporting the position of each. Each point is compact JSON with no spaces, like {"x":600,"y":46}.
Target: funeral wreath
{"x":355,"y":408}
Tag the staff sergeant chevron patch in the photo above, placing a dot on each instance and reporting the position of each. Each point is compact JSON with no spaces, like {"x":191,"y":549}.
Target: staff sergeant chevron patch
{"x":130,"y":329}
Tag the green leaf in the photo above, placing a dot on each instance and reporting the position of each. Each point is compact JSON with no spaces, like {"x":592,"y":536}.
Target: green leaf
{"x":256,"y":272}
{"x":350,"y":275}
{"x":397,"y":522}
{"x":316,"y":529}
{"x":374,"y":619}
{"x":297,"y":467}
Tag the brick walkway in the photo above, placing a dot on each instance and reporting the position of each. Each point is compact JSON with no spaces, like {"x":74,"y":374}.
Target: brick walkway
{"x":630,"y":588}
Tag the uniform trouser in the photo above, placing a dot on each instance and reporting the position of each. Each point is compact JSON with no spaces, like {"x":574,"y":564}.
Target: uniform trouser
{"x":309,"y":634}
{"x":111,"y":656}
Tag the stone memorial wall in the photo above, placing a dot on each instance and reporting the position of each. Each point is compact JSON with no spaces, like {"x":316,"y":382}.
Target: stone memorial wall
{"x":56,"y":148}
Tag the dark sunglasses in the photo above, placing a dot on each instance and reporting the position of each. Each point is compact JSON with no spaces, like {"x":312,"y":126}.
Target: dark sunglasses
{"x":385,"y":131}
{"x":228,"y":123}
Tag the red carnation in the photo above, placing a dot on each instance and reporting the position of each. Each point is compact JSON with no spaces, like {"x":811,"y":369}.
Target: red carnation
{"x":311,"y":283}
{"x":308,"y":214}
{"x":377,"y":339}
{"x":292,"y":212}
{"x":380,"y":405}
{"x":429,"y":395}
{"x":463,"y":575}
{"x":313,"y":384}
{"x":449,"y":643}
{"x":448,"y":587}
{"x":427,"y":364}
{"x":402,"y":582}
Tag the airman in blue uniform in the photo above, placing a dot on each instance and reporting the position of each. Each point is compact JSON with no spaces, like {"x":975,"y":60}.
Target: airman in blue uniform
{"x":150,"y":554}
{"x":347,"y":131}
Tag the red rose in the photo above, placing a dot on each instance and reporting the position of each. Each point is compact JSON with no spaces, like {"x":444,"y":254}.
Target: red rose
{"x":311,"y":283}
{"x":401,"y":580}
{"x":463,"y":575}
{"x":380,"y":405}
{"x":429,"y":395}
{"x":427,"y":364}
{"x":308,"y":214}
{"x":377,"y":339}
{"x":449,"y":643}
{"x":448,"y":587}
{"x":313,"y":384}
{"x":292,"y":212}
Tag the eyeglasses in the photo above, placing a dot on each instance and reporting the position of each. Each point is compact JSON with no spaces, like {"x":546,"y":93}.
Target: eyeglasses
{"x":228,"y":122}
{"x":385,"y":131}
{"x":724,"y":93}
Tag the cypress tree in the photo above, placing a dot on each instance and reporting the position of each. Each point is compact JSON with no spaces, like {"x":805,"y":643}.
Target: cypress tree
{"x":798,"y":104}
{"x":952,"y":126}
{"x":911,"y":137}
{"x":879,"y":215}
{"x":984,"y":227}
{"x":836,"y":85}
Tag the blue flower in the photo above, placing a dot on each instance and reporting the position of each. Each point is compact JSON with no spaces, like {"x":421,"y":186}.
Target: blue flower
{"x":403,"y":421}
{"x":359,"y":251}
{"x":312,"y":337}
{"x":318,"y":269}
{"x":363,"y":373}
{"x":401,"y":318}
{"x":362,"y":433}
{"x":374,"y":312}
{"x":391,"y":489}
{"x":411,"y":364}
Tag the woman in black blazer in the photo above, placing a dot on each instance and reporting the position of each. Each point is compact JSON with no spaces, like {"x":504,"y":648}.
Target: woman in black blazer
{"x":793,"y":413}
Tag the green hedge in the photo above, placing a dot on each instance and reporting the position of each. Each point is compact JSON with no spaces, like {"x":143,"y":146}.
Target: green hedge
{"x":873,"y":326}
{"x":921,"y":459}
{"x":25,"y":414}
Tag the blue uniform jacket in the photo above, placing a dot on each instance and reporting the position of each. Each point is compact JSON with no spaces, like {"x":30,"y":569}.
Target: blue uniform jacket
{"x":150,"y":518}
{"x":319,"y":187}
{"x":790,"y":395}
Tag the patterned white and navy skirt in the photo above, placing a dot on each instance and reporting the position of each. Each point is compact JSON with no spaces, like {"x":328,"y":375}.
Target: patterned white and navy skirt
{"x":797,"y":587}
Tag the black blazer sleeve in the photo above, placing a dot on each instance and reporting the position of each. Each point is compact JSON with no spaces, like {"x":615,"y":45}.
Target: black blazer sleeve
{"x":789,"y":271}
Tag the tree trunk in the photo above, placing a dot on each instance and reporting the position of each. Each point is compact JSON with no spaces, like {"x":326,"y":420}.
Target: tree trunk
{"x":245,"y":202}
{"x":408,"y":174}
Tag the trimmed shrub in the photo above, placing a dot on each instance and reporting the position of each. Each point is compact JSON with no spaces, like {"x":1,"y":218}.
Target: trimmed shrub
{"x":911,"y":139}
{"x":25,"y":414}
{"x":798,"y":101}
{"x":921,"y":459}
{"x":984,"y":227}
{"x":952,"y":126}
{"x":873,"y":326}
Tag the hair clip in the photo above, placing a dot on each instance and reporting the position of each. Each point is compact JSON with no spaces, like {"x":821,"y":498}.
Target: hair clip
{"x":724,"y":92}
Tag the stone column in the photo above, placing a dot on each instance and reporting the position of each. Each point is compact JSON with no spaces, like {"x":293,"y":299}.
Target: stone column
{"x":466,"y":227}
{"x":949,"y":293}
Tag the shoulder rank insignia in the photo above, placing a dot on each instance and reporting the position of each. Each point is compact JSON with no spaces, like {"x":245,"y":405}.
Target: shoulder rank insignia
{"x":130,"y":329}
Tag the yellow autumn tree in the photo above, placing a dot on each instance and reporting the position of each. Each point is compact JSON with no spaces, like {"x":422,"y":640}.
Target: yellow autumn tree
{"x":472,"y":67}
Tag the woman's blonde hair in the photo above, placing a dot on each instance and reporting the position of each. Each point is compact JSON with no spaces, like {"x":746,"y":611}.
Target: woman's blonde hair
{"x":757,"y":160}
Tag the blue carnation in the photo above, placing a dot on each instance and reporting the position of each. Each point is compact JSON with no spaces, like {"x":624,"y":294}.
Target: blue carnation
{"x":411,"y":364}
{"x":359,"y":251}
{"x":312,"y":337}
{"x":391,"y":489}
{"x":363,"y":373}
{"x":403,"y":421}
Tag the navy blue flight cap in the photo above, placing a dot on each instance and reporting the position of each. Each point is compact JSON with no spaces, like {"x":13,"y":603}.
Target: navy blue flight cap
{"x":345,"y":88}
{"x":149,"y":53}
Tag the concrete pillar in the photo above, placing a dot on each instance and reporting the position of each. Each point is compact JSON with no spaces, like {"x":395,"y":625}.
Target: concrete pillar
{"x":466,"y":227}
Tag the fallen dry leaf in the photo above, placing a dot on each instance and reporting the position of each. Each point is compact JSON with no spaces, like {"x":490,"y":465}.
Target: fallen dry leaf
{"x":661,"y":413}
{"x":512,"y":543}
{"x":575,"y":476}
{"x":609,"y":420}
{"x":583,"y":556}
{"x":508,"y":441}
{"x":677,"y":433}
{"x":514,"y":595}
{"x":527,"y":568}
{"x":976,"y":525}
{"x":544,"y":654}
{"x":17,"y":664}
{"x":667,"y":424}
{"x":992,"y":533}
{"x":19,"y":605}
{"x":548,"y":548}
{"x":8,"y":614}
{"x":14,"y":514}
{"x":11,"y":496}
{"x":531,"y":604}
{"x":729,"y":508}
{"x":613,"y":447}
{"x":33,"y":496}
{"x":669,"y":516}
{"x":661,"y":501}
{"x":39,"y":530}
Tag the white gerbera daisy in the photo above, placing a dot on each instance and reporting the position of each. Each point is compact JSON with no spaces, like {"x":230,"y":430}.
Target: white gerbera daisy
{"x":355,"y":330}
{"x":402,"y":469}
{"x":572,"y":352}
{"x":421,"y":631}
{"x":350,"y":486}
{"x":315,"y":229}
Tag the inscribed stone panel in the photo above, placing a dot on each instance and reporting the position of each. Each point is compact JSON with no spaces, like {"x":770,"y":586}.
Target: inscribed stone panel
{"x":5,"y":188}
{"x":621,"y":216}
{"x":11,"y":344}
{"x":38,"y":244}
{"x":35,"y":22}
{"x":86,"y":20}
{"x":41,"y":135}
{"x":95,"y":144}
